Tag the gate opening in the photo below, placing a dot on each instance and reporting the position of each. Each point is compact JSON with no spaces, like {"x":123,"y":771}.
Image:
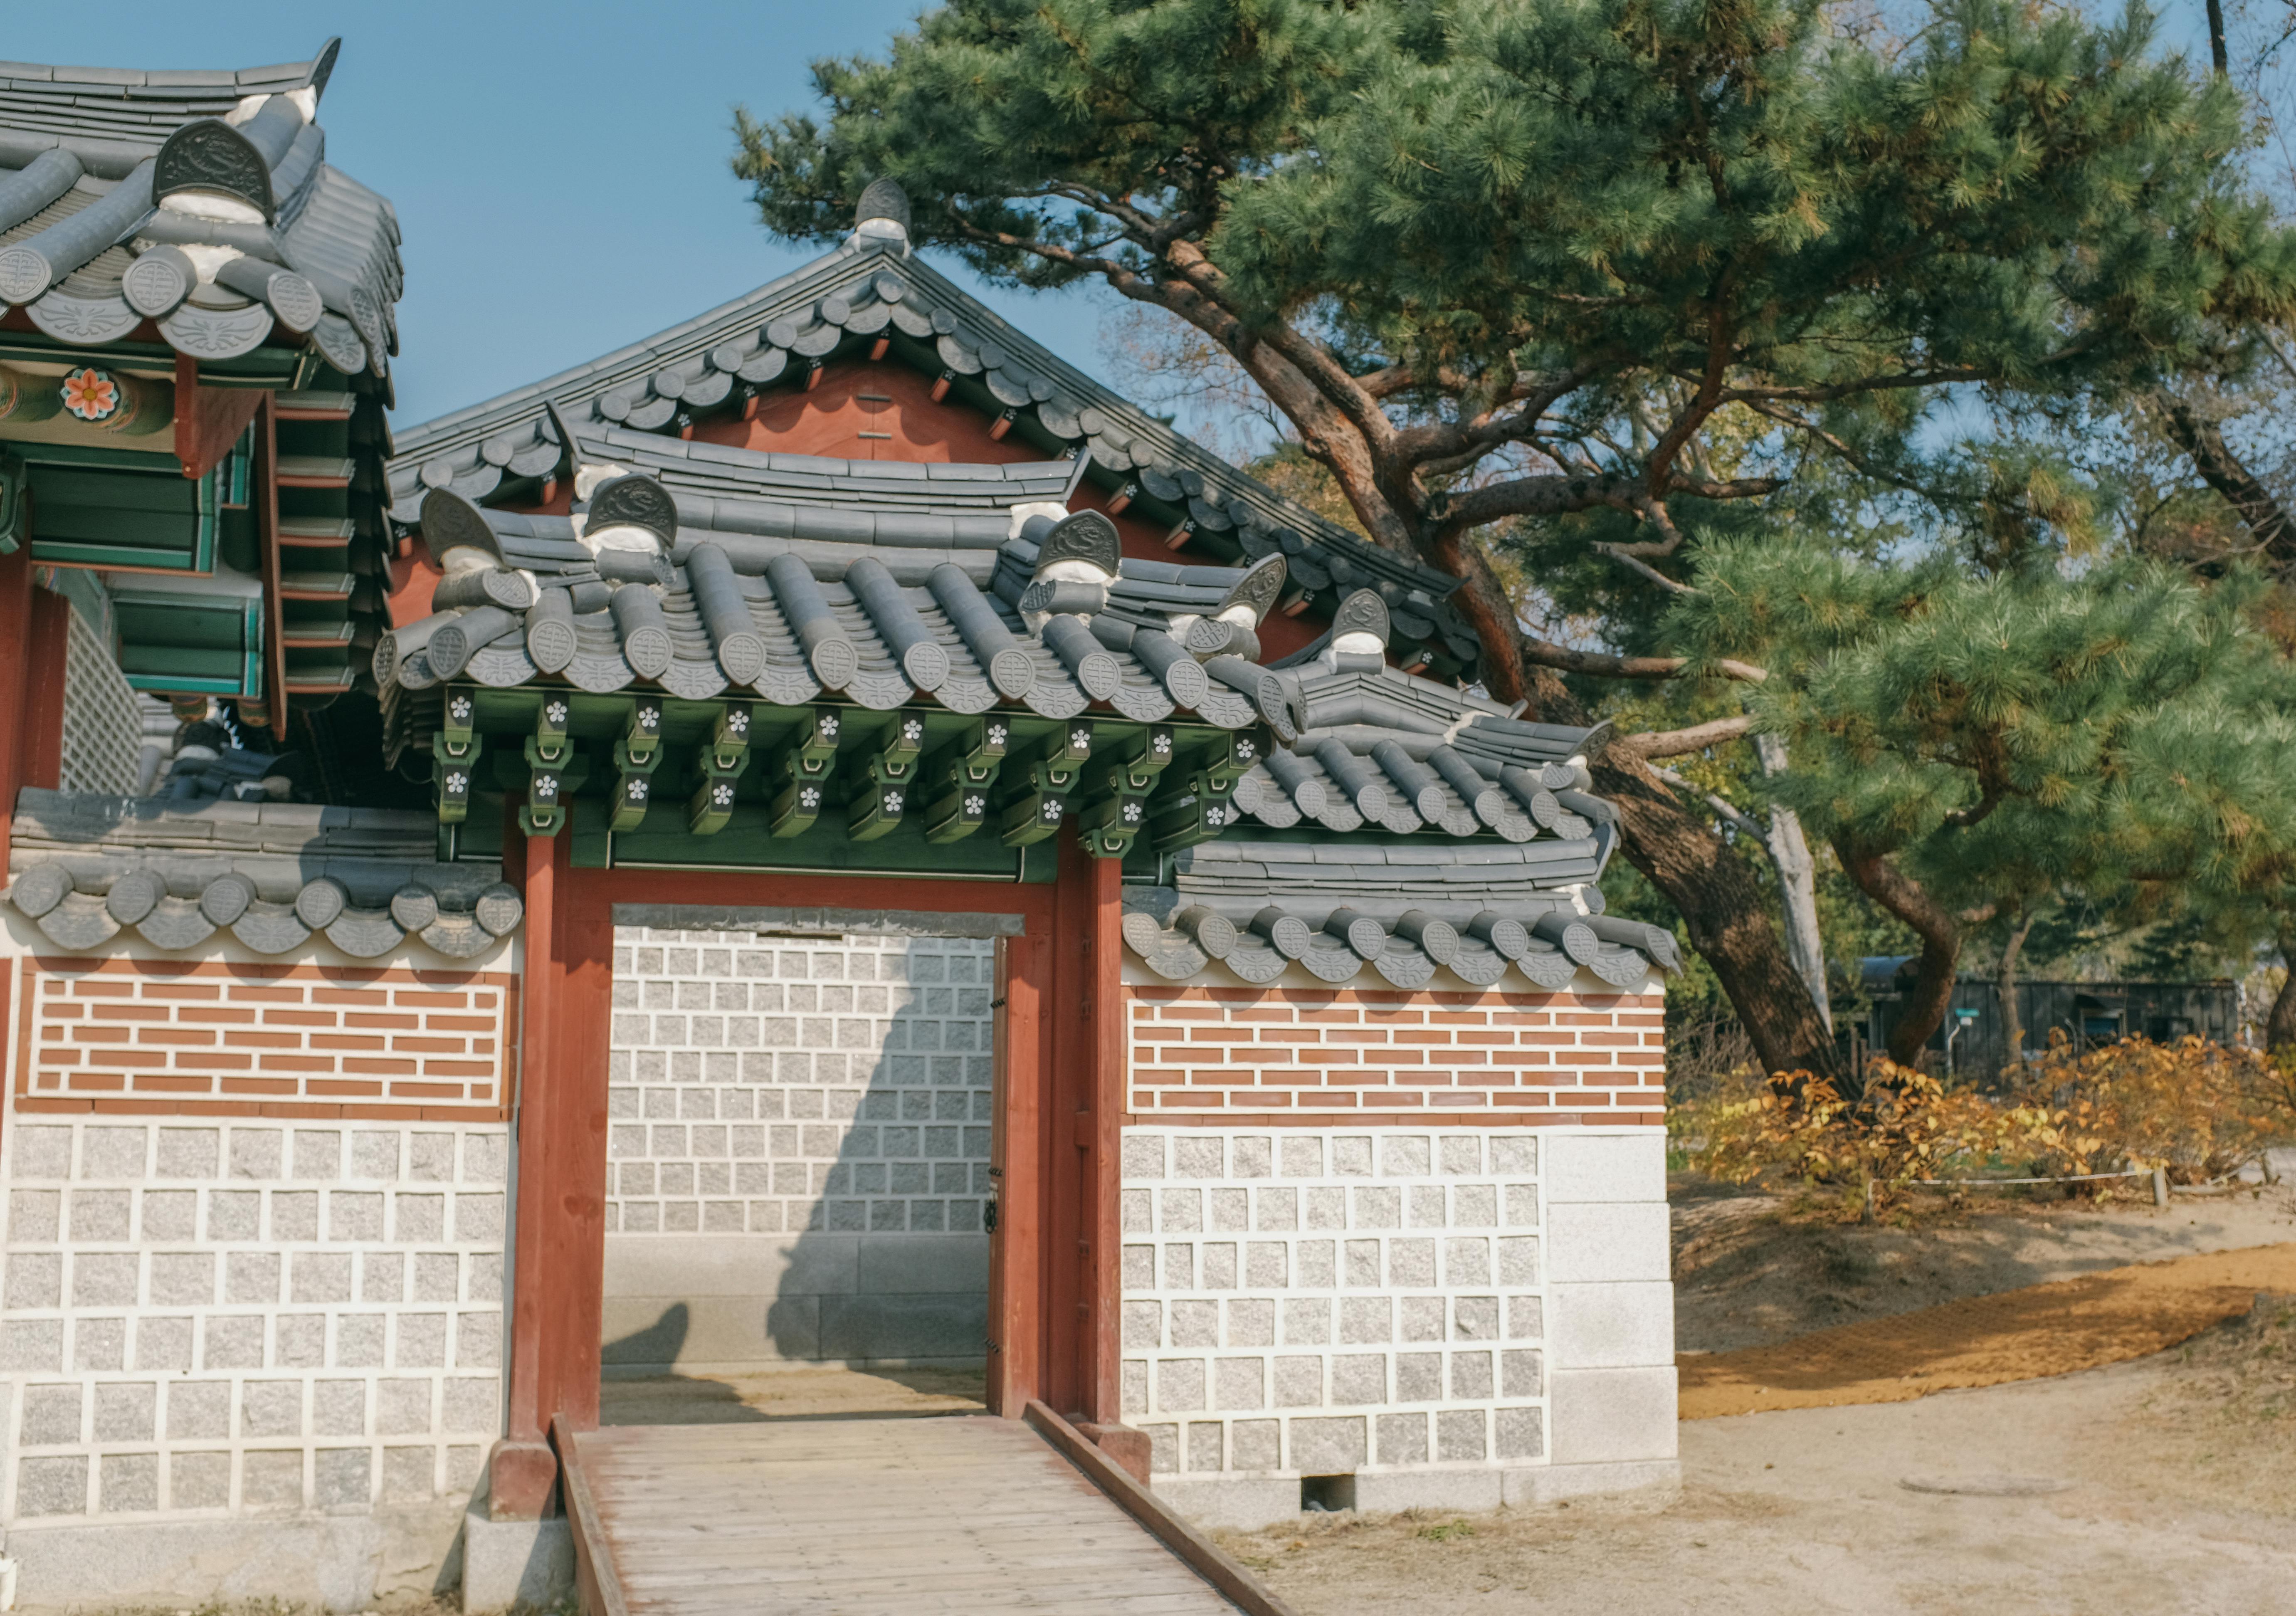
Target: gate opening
{"x":799,"y":1193}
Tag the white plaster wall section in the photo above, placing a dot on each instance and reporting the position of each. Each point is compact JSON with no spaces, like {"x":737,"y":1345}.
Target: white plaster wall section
{"x":799,"y":1153}
{"x":1611,"y":1305}
{"x":206,"y":1317}
{"x":1304,"y":1301}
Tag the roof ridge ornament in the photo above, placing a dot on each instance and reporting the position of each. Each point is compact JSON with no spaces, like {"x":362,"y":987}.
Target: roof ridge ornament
{"x":323,"y":67}
{"x":1256,"y":592}
{"x":456,"y":535}
{"x":1083,"y":539}
{"x":1358,"y":638}
{"x":1362,"y":615}
{"x":206,"y":162}
{"x":566,"y":439}
{"x":882,"y":216}
{"x":633,"y":501}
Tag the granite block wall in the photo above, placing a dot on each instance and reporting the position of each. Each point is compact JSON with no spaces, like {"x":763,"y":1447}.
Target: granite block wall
{"x":1413,"y":1239}
{"x":202,"y":1316}
{"x":1316,"y":1302}
{"x":799,"y":1153}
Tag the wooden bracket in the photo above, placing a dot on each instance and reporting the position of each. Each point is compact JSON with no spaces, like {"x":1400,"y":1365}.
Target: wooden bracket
{"x":1200,"y":804}
{"x":801,"y":773}
{"x":633,"y":785}
{"x":956,"y":780}
{"x":545,"y":813}
{"x":721,"y":764}
{"x":889,"y":778}
{"x":1038,"y":786}
{"x":454,"y":771}
{"x":209,"y":419}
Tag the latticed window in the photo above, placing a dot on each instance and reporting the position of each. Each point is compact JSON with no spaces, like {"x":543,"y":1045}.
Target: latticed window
{"x":104,"y":730}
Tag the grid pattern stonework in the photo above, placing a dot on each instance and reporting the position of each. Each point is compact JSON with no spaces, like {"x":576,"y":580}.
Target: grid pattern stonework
{"x":764,"y":1084}
{"x":231,"y":1038}
{"x":206,"y":1316}
{"x":1317,"y":1301}
{"x":1556,"y":1058}
{"x":102,"y":726}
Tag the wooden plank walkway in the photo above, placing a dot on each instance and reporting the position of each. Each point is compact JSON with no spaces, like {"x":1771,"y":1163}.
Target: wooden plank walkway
{"x":856,"y":1517}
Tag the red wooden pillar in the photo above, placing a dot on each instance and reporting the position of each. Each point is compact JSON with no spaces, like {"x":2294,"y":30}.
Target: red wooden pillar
{"x":1017,"y":1254}
{"x":1084,"y":1138}
{"x":15,"y":678}
{"x":558,"y":1278}
{"x":44,"y":691}
{"x":523,"y":1469}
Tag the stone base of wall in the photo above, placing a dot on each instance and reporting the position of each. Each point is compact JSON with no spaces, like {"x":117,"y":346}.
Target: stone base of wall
{"x":1246,"y":1502}
{"x":741,"y":1304}
{"x":340,"y":1563}
{"x":514,"y":1562}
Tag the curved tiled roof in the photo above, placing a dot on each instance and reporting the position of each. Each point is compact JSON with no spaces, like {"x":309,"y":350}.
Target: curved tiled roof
{"x":868,"y":292}
{"x":84,"y":868}
{"x":200,"y":201}
{"x":1400,"y":910}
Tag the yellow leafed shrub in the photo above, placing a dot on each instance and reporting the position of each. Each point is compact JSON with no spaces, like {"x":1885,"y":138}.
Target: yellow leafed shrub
{"x":2197,"y":1109}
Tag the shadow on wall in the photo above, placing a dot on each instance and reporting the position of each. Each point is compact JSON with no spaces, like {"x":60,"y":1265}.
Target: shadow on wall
{"x":864,"y":1118}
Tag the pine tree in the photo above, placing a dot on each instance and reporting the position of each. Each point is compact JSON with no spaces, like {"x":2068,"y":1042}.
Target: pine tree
{"x":1970,"y":745}
{"x":1503,"y":264}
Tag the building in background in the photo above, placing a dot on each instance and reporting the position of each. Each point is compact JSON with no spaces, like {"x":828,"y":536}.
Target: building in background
{"x":1972,"y":1041}
{"x":825,"y":837}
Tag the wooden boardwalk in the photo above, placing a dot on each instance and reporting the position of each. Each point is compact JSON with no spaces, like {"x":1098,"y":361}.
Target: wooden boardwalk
{"x":861,"y":1517}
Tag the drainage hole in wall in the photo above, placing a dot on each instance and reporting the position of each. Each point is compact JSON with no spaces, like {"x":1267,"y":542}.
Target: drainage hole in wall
{"x":1326,"y":1495}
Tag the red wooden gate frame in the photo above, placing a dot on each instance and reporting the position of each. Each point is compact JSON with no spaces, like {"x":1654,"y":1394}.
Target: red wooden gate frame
{"x":1054,"y":1303}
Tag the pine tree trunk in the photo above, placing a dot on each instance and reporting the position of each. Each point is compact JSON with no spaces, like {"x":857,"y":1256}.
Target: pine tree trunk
{"x":1940,"y":934}
{"x":1729,"y":918}
{"x":2004,"y":983}
{"x":1722,"y":905}
{"x":2280,"y":1024}
{"x":1798,"y":886}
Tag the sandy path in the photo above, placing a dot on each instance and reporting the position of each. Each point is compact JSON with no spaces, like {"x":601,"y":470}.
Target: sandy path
{"x":2025,"y":1335}
{"x":1807,"y":1511}
{"x":1747,"y":1273}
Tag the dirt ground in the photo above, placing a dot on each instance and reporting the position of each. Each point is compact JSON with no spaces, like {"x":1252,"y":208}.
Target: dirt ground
{"x":1750,"y":1270}
{"x":2146,"y":1486}
{"x":2165,"y":1484}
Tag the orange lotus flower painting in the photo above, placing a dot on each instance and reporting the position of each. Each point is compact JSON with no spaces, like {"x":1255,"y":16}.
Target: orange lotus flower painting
{"x":91,"y":394}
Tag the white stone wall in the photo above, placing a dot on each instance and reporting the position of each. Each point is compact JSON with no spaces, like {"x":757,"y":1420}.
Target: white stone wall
{"x":799,"y":1153}
{"x":207,"y":1316}
{"x":1313,"y":1301}
{"x":767,"y":1084}
{"x":1451,"y":1317}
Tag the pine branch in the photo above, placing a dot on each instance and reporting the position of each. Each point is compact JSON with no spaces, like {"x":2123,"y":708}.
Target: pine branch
{"x":1693,"y":738}
{"x":1602,"y":665}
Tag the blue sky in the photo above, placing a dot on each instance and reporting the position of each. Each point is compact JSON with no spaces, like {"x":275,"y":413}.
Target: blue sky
{"x":559,"y":170}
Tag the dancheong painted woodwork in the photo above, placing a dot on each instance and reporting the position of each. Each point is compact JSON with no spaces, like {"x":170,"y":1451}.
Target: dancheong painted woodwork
{"x":195,"y":338}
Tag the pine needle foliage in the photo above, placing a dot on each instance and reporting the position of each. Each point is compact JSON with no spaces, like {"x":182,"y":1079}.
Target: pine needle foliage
{"x":1608,"y":269}
{"x":1978,"y":742}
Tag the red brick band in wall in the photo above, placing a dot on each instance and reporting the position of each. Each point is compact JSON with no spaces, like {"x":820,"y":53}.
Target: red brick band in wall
{"x":1310,"y":1056}
{"x":223,"y":1038}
